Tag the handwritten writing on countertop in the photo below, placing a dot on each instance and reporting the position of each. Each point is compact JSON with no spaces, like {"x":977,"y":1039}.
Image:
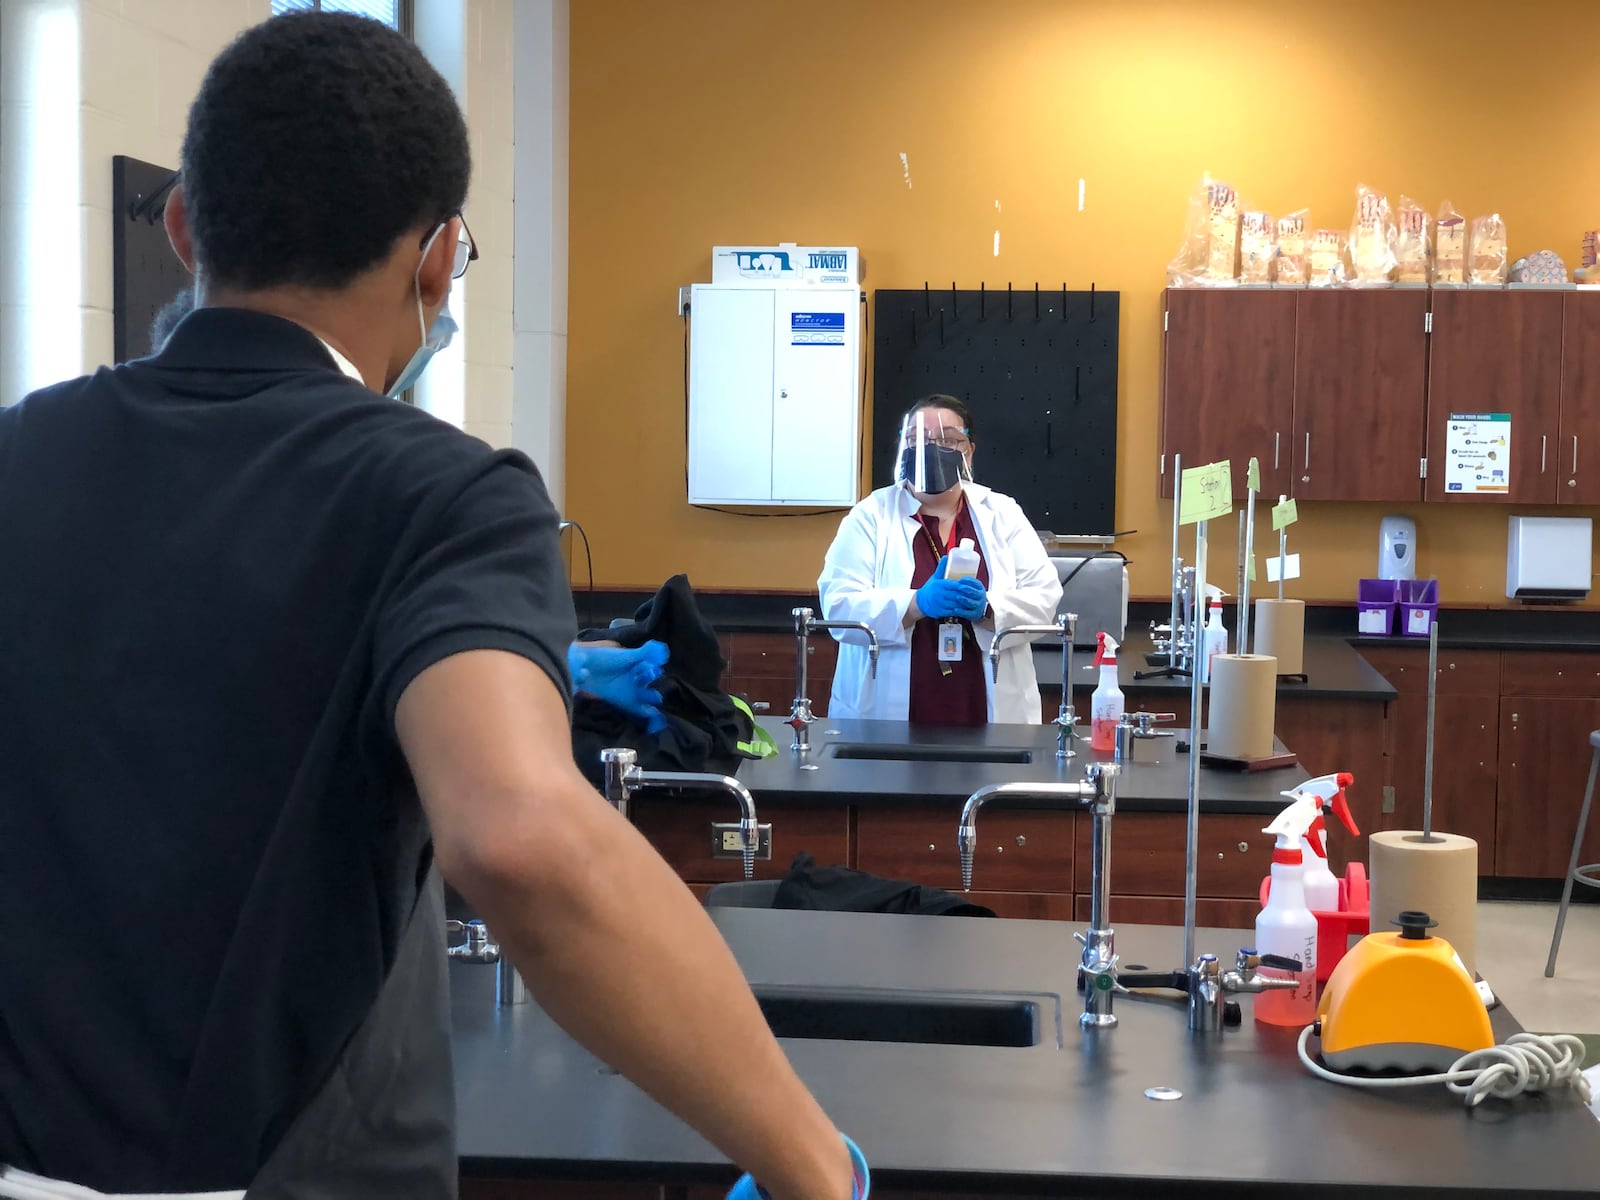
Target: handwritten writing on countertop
{"x":1207,"y":493}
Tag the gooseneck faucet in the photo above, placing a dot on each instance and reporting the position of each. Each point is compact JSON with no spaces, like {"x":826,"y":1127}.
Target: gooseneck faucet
{"x":624,"y":777}
{"x":1098,"y":967}
{"x":476,"y":946}
{"x":800,"y":715}
{"x":1066,"y":628}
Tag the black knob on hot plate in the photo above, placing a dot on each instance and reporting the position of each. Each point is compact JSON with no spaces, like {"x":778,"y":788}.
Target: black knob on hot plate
{"x":1414,"y":926}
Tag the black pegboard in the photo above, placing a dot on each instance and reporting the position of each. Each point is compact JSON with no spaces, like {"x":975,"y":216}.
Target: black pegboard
{"x":145,"y":272}
{"x":1037,"y":367}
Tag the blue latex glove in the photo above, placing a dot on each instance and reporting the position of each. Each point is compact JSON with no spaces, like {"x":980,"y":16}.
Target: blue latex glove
{"x":621,"y":677}
{"x":860,"y":1184}
{"x":940,"y":597}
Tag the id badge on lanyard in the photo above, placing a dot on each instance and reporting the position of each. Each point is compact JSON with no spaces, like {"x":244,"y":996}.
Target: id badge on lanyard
{"x":952,"y":633}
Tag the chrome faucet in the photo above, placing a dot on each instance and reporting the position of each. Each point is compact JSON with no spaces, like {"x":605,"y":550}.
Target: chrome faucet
{"x":1208,"y":988}
{"x":800,"y":715}
{"x":478,"y":947}
{"x":1066,"y":628}
{"x":1098,"y":967}
{"x":623,"y":777}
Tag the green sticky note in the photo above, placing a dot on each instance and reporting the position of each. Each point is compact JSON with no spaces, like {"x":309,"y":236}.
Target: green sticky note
{"x":1253,"y":477}
{"x":1284,"y":513}
{"x":1250,"y":567}
{"x":1207,"y":493}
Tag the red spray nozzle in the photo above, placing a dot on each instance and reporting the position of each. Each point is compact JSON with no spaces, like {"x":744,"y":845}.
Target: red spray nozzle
{"x":1105,"y":649}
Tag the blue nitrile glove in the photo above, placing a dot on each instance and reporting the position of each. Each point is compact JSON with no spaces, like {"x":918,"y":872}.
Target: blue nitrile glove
{"x":972,"y":599}
{"x":860,"y":1183}
{"x":621,"y":677}
{"x":939,"y":597}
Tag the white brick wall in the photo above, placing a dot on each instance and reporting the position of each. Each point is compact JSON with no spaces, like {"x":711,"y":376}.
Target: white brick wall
{"x":83,"y":80}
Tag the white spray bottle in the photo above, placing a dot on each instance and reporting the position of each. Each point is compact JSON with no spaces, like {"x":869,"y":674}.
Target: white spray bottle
{"x":1321,"y":884}
{"x":1106,"y":706}
{"x":1216,"y":640}
{"x":1286,"y":927}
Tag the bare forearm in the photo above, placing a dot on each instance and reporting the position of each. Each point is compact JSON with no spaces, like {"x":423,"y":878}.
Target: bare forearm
{"x":621,"y":955}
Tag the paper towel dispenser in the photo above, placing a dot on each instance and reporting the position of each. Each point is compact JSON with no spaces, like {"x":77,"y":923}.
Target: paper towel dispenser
{"x":1096,"y":588}
{"x":1549,"y":558}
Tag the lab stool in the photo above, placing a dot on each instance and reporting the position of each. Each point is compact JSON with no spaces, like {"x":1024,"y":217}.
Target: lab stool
{"x":1588,"y":875}
{"x":744,"y":893}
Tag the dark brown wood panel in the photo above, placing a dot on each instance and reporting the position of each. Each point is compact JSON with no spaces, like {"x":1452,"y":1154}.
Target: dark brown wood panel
{"x":680,"y":830}
{"x":1461,"y":672}
{"x":1147,"y":853}
{"x":1340,"y":735}
{"x":1498,"y":352}
{"x":1466,"y":764}
{"x":1018,"y":851}
{"x":1228,"y":382}
{"x":1579,"y":456}
{"x":1360,"y":395}
{"x":1544,"y":765}
{"x":1168,"y":910}
{"x":1574,"y":675}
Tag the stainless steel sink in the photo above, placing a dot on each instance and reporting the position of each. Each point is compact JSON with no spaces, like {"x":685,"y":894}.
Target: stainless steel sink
{"x":928,"y":1018}
{"x":929,"y":752}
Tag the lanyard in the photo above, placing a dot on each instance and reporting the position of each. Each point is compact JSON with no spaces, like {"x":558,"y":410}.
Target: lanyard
{"x":933,"y":542}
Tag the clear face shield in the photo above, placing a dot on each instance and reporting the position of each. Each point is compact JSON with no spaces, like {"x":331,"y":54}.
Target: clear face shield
{"x":933,"y":456}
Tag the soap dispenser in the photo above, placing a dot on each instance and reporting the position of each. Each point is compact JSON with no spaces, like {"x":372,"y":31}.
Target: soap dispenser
{"x":1397,"y":548}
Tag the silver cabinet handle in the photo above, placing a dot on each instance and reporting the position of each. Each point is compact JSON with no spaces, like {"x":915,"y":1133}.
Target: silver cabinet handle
{"x":1308,"y":451}
{"x":1276,"y":438}
{"x":1543,"y":438}
{"x":1574,"y":454}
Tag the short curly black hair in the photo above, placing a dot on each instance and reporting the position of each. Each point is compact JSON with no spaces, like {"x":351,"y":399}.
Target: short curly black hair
{"x":316,"y":140}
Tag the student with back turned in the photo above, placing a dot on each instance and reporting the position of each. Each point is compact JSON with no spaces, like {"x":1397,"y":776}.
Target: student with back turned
{"x":276,"y":648}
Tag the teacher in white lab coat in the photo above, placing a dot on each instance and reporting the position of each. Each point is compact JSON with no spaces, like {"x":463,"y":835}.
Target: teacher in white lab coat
{"x":887,"y":567}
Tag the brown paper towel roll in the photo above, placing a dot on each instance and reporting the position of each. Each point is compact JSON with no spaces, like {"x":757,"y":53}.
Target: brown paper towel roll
{"x":1439,"y":878}
{"x":1244,"y":691}
{"x":1281,"y":632}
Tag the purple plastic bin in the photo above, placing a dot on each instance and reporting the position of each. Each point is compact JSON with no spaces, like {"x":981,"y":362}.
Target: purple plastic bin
{"x":1419,"y":606}
{"x":1376,"y":600}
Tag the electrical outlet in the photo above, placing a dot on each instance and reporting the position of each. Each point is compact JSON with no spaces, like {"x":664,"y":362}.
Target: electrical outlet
{"x":683,"y":298}
{"x":1388,"y":799}
{"x":728,"y":842}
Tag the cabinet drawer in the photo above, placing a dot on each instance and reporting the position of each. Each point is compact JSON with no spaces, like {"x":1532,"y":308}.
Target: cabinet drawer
{"x":1461,"y":672}
{"x":680,"y":830}
{"x":1551,"y":673}
{"x":1025,"y":906}
{"x":773,"y":653}
{"x":1017,"y":851}
{"x":1168,"y":910}
{"x":1147,"y":853}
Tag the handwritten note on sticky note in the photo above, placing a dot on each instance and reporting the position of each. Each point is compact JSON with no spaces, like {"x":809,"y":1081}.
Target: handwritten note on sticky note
{"x":1207,"y":493}
{"x":1284,"y":514}
{"x":1291,"y":567}
{"x":1252,"y":478}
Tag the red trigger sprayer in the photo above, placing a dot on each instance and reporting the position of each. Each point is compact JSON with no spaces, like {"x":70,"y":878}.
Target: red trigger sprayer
{"x":1322,"y":886}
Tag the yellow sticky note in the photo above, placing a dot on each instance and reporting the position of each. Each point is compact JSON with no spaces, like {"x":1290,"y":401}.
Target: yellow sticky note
{"x":1253,"y":477}
{"x":1250,"y":567}
{"x":1207,"y":493}
{"x":1284,"y":513}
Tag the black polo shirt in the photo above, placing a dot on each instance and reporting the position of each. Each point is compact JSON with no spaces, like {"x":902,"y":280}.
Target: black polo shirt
{"x":219,"y":569}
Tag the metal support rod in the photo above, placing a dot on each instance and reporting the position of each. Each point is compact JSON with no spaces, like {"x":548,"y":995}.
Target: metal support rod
{"x":1427,"y":761}
{"x":1283,"y":552}
{"x":1244,"y":570}
{"x":1191,"y":861}
{"x":1066,"y":628}
{"x":800,"y":716}
{"x":1177,"y":571}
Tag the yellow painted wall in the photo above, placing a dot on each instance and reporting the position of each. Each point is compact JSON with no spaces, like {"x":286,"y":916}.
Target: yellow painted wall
{"x":718,"y":121}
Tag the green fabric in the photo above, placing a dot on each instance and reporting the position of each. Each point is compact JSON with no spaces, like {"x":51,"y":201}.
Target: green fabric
{"x":760,"y":744}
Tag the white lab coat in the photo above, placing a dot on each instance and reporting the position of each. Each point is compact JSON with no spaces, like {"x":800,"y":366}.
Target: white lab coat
{"x":866,"y":577}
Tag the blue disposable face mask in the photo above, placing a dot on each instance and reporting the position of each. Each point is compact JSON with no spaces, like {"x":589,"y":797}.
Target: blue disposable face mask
{"x":435,"y":337}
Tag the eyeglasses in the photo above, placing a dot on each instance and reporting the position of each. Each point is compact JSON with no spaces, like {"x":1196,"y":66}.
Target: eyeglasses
{"x":949,"y":436}
{"x":466,"y":247}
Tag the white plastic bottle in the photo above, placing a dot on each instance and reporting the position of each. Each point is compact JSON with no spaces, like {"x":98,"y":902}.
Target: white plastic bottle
{"x":1320,"y":883}
{"x":1286,"y":927}
{"x":1216,"y":641}
{"x":963,"y":562}
{"x":1106,"y":706}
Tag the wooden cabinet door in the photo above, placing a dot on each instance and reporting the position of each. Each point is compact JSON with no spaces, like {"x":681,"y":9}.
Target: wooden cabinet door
{"x":1360,"y":395}
{"x":1498,"y":352}
{"x":1018,"y":850}
{"x":1466,"y":762}
{"x":1579,"y":449}
{"x":1228,"y":383}
{"x":680,"y":830}
{"x":1148,"y":850}
{"x":1544,"y":765}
